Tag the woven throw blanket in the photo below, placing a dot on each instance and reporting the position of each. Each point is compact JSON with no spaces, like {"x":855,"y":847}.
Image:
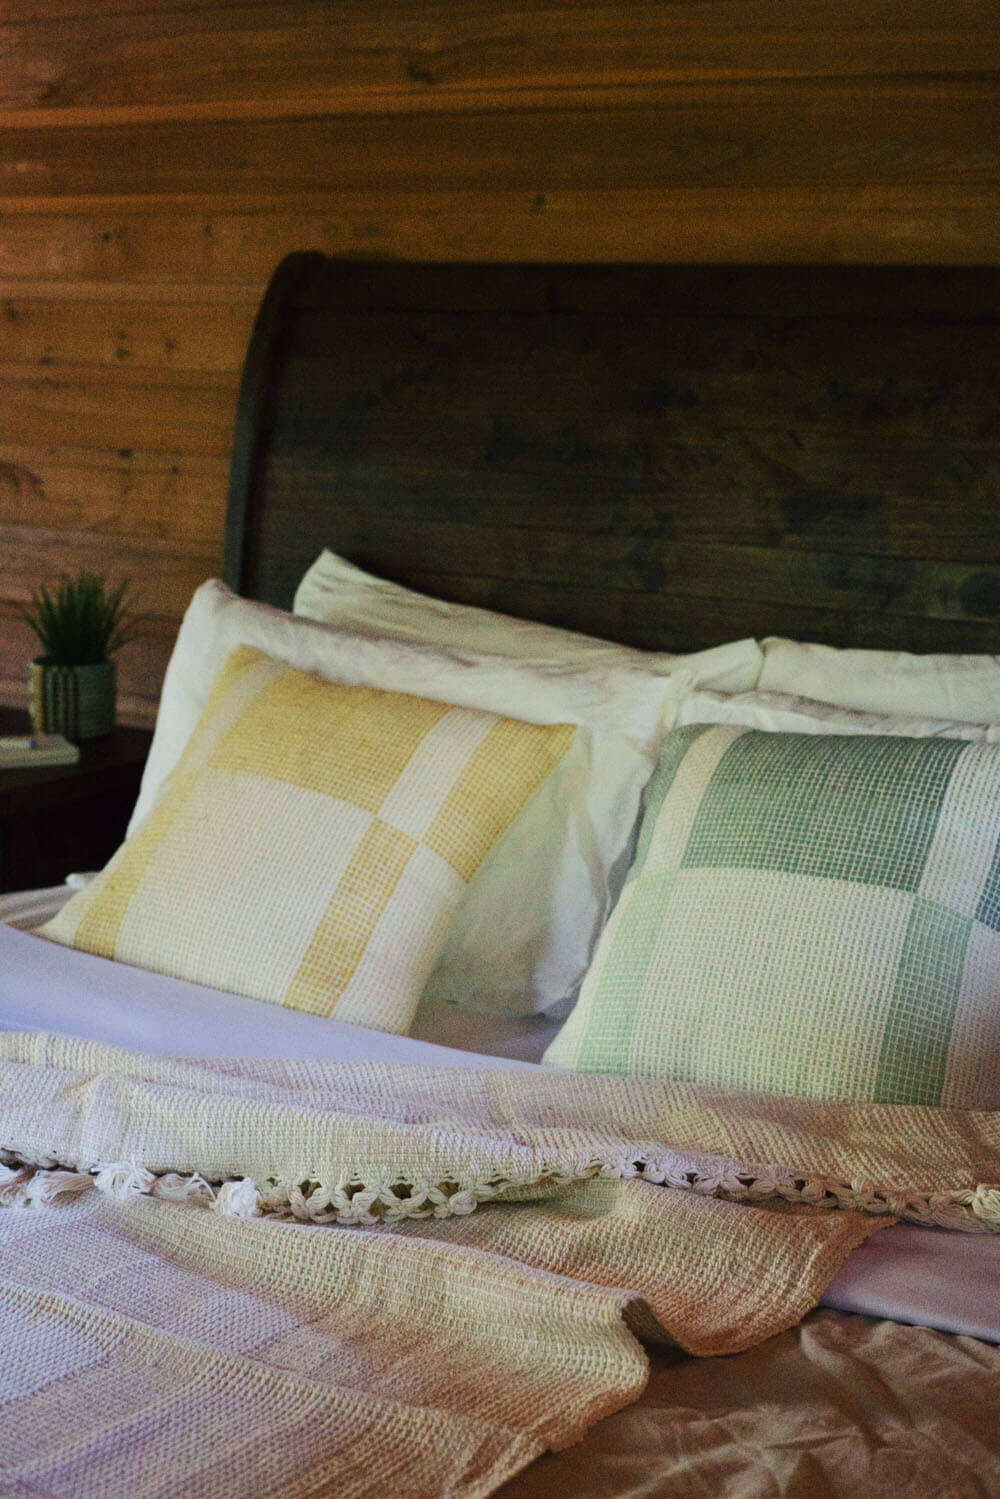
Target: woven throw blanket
{"x":251,"y":1278}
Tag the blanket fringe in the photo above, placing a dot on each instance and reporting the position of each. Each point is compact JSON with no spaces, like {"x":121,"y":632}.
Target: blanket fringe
{"x":361,"y":1201}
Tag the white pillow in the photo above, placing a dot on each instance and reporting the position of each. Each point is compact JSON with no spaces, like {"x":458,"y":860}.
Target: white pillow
{"x":338,"y":593}
{"x":780,"y":712}
{"x":964,"y":689}
{"x":523,"y":935}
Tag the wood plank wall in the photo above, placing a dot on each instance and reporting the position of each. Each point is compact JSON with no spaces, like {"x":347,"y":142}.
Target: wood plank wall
{"x":160,"y":156}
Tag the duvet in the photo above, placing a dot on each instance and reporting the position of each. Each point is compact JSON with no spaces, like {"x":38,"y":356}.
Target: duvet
{"x":357,"y":1277}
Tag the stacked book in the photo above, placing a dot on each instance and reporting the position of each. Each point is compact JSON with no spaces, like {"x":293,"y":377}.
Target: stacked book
{"x":36,"y":750}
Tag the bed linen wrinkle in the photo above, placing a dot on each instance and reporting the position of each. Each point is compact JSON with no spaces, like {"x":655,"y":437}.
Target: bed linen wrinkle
{"x":937,"y":1278}
{"x":476,"y":1341}
{"x":840,"y":1405}
{"x":241,"y":1347}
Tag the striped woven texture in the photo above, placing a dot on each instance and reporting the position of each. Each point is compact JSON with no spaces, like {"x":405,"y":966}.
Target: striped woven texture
{"x":810,"y":915}
{"x":313,"y":842}
{"x":153,"y":1347}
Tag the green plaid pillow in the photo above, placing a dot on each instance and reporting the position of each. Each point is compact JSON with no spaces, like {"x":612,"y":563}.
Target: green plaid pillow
{"x":808,"y":915}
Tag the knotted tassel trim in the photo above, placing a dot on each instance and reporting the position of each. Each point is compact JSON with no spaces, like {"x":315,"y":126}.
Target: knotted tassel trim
{"x":358,"y":1200}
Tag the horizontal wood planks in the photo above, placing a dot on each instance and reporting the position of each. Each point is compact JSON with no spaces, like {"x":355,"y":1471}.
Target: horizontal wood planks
{"x":112,"y":494}
{"x":788,"y":133}
{"x":160,"y":157}
{"x":222,"y":242}
{"x":55,"y":331}
{"x":130,"y":56}
{"x":655,"y":449}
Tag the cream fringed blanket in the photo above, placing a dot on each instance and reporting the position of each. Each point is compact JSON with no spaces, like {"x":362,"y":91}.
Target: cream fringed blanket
{"x":153,"y":1341}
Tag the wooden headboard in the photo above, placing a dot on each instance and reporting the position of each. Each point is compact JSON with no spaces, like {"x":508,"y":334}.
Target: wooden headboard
{"x":664,"y":455}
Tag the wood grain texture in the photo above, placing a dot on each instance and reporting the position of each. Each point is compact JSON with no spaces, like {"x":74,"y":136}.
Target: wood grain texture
{"x":350,"y":57}
{"x":106,"y":407}
{"x":792,"y":133}
{"x":32,"y":10}
{"x":160,"y":157}
{"x":164,"y":572}
{"x":117,"y":493}
{"x":156,"y":246}
{"x":641,"y":446}
{"x":54,"y":331}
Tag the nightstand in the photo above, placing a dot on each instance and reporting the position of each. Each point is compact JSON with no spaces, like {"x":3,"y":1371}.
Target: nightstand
{"x":64,"y":817}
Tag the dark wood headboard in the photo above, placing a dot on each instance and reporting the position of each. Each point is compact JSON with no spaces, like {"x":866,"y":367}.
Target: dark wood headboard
{"x":665,"y":455}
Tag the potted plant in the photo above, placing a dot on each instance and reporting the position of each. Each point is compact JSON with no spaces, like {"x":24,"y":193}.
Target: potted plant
{"x":80,"y":625}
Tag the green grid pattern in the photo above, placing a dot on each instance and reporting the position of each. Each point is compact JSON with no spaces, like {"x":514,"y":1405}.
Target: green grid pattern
{"x":794,"y":949}
{"x":620,"y":1005}
{"x":988,"y":909}
{"x":672,"y":755}
{"x":868,"y":819}
{"x":918,"y":1027}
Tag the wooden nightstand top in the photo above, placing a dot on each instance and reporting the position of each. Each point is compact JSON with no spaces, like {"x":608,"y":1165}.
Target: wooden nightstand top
{"x":103,"y":765}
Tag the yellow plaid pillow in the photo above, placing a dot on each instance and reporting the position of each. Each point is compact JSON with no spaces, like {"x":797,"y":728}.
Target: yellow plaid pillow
{"x":313,"y":842}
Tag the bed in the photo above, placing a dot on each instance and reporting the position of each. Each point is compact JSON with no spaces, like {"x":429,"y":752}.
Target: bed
{"x":270,"y":1248}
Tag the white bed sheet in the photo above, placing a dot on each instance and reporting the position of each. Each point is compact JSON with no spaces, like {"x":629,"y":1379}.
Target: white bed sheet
{"x":934,"y":1278}
{"x":44,"y":986}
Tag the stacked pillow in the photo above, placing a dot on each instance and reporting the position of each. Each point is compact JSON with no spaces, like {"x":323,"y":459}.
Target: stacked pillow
{"x":336,"y":592}
{"x":962,"y":688}
{"x":399,"y":797}
{"x":814,"y":905}
{"x":786,"y":713}
{"x":517,"y":938}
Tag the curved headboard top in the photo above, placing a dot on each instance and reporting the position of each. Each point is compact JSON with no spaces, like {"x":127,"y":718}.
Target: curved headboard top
{"x":670,"y":456}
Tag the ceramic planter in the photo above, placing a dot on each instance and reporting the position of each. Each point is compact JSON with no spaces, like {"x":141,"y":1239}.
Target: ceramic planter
{"x":76,"y":701}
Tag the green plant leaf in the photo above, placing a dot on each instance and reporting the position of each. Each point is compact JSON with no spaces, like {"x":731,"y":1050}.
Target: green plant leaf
{"x":82,"y":621}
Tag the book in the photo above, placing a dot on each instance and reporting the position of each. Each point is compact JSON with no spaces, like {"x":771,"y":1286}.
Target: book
{"x":23,"y":751}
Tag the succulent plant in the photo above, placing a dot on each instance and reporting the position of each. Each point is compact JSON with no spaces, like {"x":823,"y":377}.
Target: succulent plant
{"x":81,"y":621}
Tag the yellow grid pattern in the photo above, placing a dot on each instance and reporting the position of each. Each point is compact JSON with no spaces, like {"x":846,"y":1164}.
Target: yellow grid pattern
{"x":217,"y":883}
{"x":352,"y":743}
{"x":497,"y":780}
{"x":356,"y":906}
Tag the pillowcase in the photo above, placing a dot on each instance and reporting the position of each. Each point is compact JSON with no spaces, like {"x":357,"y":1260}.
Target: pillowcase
{"x":526,"y":927}
{"x":313,"y":843}
{"x":782,"y":713}
{"x":630,"y":697}
{"x":338,"y":593}
{"x":965,"y":689}
{"x":808,"y":915}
